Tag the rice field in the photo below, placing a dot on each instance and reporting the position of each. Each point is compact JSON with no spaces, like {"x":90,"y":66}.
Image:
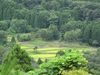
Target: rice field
{"x":47,"y":50}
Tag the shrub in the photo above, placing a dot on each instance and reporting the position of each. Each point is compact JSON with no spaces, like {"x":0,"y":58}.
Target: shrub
{"x":60,"y":53}
{"x":72,"y":35}
{"x":43,"y":33}
{"x":70,"y":60}
{"x":24,"y":37}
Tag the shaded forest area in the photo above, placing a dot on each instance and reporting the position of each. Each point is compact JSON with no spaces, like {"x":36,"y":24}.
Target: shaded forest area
{"x":52,"y":19}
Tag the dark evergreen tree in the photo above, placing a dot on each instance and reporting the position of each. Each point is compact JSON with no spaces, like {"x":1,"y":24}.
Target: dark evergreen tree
{"x":13,"y":40}
{"x":39,"y":61}
{"x":23,"y":60}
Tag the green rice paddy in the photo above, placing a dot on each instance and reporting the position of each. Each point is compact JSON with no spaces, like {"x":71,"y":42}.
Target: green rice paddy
{"x":48,"y":50}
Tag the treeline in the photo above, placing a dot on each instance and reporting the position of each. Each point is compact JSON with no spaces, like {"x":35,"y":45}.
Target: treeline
{"x":68,"y":20}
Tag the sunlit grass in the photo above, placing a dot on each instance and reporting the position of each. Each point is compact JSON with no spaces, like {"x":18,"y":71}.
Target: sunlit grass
{"x":24,"y":47}
{"x":49,"y":49}
{"x":42,"y":55}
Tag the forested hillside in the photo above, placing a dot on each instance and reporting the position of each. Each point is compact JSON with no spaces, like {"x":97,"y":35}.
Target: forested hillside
{"x":57,"y":23}
{"x":67,"y":20}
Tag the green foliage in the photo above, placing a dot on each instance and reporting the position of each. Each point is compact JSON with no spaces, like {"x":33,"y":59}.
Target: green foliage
{"x":42,"y":19}
{"x":7,"y":8}
{"x":68,"y":20}
{"x":54,"y":32}
{"x":73,"y":35}
{"x":51,"y":33}
{"x":55,"y":16}
{"x":71,"y":25}
{"x":4,"y":25}
{"x":3,"y":37}
{"x":91,"y":33}
{"x":94,"y":61}
{"x":23,"y":37}
{"x":60,"y":53}
{"x":42,"y":34}
{"x":19,"y":26}
{"x":9,"y":63}
{"x":71,"y":60}
{"x":13,"y":40}
{"x":39,"y":61}
{"x":2,"y":52}
{"x":23,"y":62}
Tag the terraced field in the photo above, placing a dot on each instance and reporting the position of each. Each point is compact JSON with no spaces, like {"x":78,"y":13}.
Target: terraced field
{"x":47,"y":50}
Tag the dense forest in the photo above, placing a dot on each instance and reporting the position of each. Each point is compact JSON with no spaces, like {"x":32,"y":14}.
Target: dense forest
{"x":68,"y":21}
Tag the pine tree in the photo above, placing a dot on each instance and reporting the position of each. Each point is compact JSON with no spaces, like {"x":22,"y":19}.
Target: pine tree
{"x":23,"y":62}
{"x":39,"y":61}
{"x":13,"y":40}
{"x":8,"y":63}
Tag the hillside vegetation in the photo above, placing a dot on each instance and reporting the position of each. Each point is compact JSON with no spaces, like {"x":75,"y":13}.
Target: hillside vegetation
{"x":66,"y":20}
{"x":49,"y":37}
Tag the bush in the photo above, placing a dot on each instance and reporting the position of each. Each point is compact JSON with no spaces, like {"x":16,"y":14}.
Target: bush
{"x":24,"y":37}
{"x":70,"y":60}
{"x":60,"y":53}
{"x":73,"y":35}
{"x":42,"y":34}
